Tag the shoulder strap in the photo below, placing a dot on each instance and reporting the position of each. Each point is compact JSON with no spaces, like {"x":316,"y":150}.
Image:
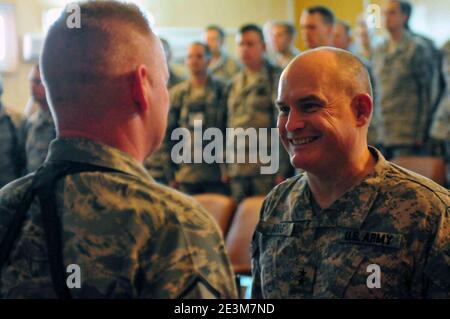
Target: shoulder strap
{"x":43,"y":186}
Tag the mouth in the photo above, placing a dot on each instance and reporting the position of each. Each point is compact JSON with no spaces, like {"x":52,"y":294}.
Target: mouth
{"x":300,"y":141}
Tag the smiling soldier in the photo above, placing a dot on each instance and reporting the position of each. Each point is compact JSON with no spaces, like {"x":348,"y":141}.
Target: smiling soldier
{"x":320,"y":233}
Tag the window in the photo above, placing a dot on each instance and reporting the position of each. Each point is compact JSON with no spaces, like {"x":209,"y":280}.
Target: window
{"x":8,"y":38}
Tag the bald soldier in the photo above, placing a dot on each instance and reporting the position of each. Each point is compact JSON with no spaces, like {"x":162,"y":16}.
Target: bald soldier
{"x":100,"y":216}
{"x":353,"y":225}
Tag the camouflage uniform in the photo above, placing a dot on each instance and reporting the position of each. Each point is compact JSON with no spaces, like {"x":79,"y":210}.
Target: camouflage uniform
{"x":252,"y":106}
{"x":38,"y":132}
{"x":158,"y":164}
{"x":224,"y":69}
{"x":12,"y":155}
{"x":395,"y":219}
{"x":440,"y":128}
{"x":210,"y":109}
{"x":130,"y":236}
{"x":404,"y":86}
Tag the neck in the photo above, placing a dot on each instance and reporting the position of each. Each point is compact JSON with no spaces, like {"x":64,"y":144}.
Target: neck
{"x":199,"y":79}
{"x":327,"y":187}
{"x":255,"y":67}
{"x":124,"y":137}
{"x":396,"y":35}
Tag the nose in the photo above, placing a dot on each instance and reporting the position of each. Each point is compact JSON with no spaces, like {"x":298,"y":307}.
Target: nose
{"x":295,"y":121}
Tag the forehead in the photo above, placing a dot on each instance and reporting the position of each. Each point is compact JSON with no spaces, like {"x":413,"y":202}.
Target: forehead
{"x":393,"y":6}
{"x":279,"y":29}
{"x":249,"y":36}
{"x":311,"y":18}
{"x":212,"y":33}
{"x":196,"y":48}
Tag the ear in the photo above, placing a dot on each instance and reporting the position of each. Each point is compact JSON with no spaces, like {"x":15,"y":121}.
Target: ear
{"x":140,"y":89}
{"x":362,"y":107}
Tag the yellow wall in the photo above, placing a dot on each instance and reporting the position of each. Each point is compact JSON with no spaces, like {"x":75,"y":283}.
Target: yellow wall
{"x":343,"y":9}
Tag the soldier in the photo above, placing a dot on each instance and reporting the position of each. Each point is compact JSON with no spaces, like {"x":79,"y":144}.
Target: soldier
{"x":12,"y":157}
{"x":440,"y":129}
{"x":158,"y":164}
{"x":282,"y":38}
{"x":342,"y":39}
{"x":353,"y":225}
{"x":120,"y":233}
{"x":251,"y":105}
{"x":201,"y":98}
{"x":403,"y":73}
{"x":221,"y":66}
{"x":317,"y":25}
{"x":39,"y":129}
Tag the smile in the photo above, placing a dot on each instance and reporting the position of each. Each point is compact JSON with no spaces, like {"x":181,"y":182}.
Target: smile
{"x":303,"y":140}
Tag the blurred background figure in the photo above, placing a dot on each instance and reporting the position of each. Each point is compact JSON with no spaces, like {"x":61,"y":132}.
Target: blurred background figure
{"x":317,"y":25}
{"x":39,"y":129}
{"x":282,"y":38}
{"x":342,"y":36}
{"x":342,"y":39}
{"x":221,"y":66}
{"x":402,"y":67}
{"x":12,"y":157}
{"x":198,"y":103}
{"x":440,"y":129}
{"x":174,"y":78}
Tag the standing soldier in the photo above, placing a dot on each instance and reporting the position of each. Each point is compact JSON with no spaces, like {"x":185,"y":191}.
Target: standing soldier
{"x":251,"y":105}
{"x":282,"y":38}
{"x":200,"y":100}
{"x":401,"y":67}
{"x":39,"y":129}
{"x":158,"y":164}
{"x":11,"y":150}
{"x":221,"y":66}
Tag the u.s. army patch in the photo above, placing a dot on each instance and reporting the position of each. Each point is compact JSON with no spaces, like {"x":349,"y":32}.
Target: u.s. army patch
{"x":354,"y":236}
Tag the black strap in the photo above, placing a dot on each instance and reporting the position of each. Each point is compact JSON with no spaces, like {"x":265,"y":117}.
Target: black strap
{"x":15,"y":148}
{"x":43,"y":186}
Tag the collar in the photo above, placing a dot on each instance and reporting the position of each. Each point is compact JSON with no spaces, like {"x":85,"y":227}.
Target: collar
{"x":351,"y":209}
{"x":87,"y":151}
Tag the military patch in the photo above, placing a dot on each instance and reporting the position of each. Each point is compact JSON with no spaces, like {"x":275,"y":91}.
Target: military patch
{"x":350,"y":236}
{"x":302,"y":280}
{"x":281,"y":229}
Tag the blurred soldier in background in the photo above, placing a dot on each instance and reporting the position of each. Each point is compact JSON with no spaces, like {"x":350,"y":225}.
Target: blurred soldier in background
{"x":317,"y":25}
{"x":39,"y":128}
{"x":403,"y":71}
{"x":282,"y":38}
{"x":198,"y":103}
{"x":12,"y":153}
{"x":251,"y":105}
{"x":221,"y":66}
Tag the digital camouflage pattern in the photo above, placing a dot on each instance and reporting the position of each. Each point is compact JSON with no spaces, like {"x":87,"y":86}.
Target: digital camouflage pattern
{"x":130,"y":236}
{"x":404,"y":80}
{"x":441,"y":124}
{"x":12,"y":154}
{"x":210,"y":109}
{"x":38,"y":132}
{"x":252,"y":105}
{"x":224,"y":69}
{"x":394,"y":218}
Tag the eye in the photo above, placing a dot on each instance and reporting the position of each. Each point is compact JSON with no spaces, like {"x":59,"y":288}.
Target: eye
{"x":310,"y":107}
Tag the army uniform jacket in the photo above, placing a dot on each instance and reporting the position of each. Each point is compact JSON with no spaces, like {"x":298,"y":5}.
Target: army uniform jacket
{"x":394,"y":219}
{"x":253,"y":106}
{"x":404,"y":81}
{"x":224,"y":69}
{"x":38,"y":132}
{"x":12,"y":153}
{"x":210,"y":109}
{"x":130,"y":236}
